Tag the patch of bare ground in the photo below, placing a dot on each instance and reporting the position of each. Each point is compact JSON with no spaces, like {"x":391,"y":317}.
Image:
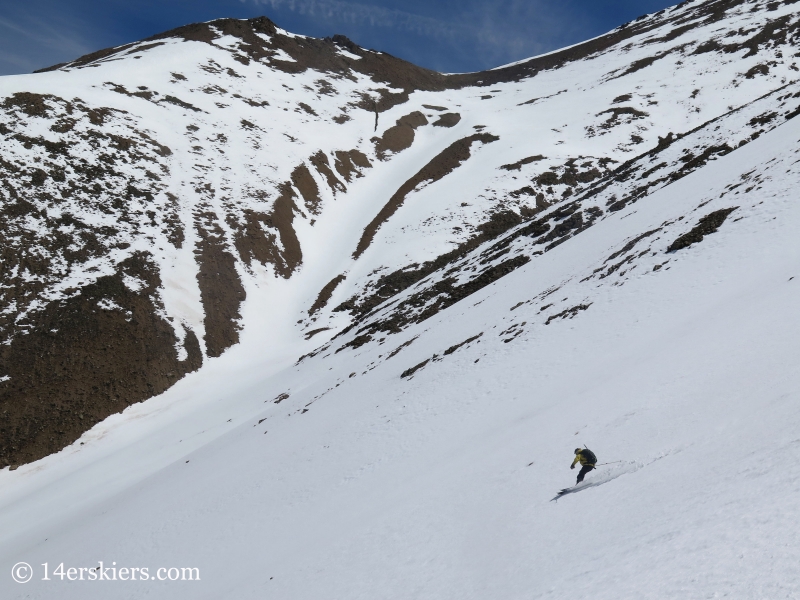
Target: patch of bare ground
{"x":323,"y":167}
{"x":87,"y":357}
{"x":559,"y":182}
{"x":525,"y":161}
{"x":707,"y":225}
{"x":619,"y":115}
{"x":569,"y":313}
{"x":447,"y":120}
{"x":443,"y":164}
{"x":178,"y":102}
{"x":254,"y":239}
{"x":410,"y":371}
{"x":466,"y":342}
{"x":401,"y":347}
{"x":304,"y":182}
{"x":314,"y":332}
{"x":31,"y":104}
{"x":436,"y":358}
{"x":631,"y":244}
{"x":281,"y":218}
{"x":400,"y":136}
{"x":643,"y":63}
{"x":348,"y":163}
{"x":307,"y":109}
{"x":757,"y":70}
{"x":617,"y":112}
{"x":325,"y":294}
{"x":221,"y":291}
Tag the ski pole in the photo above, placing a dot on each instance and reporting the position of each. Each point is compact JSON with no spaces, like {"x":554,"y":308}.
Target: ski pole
{"x":610,"y":463}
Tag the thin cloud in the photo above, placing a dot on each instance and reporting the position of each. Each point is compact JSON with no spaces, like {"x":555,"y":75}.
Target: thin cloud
{"x":30,"y":43}
{"x":354,"y":13}
{"x":517,"y":29}
{"x":497,"y":32}
{"x":39,"y":32}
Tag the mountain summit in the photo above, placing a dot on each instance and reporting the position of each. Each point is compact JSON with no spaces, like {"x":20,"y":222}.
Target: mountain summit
{"x":315,"y":305}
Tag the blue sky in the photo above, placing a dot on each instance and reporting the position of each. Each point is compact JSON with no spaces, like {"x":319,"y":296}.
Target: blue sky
{"x":446,"y":35}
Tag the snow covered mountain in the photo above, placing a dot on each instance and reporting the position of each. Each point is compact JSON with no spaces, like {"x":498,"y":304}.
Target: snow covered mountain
{"x":373,"y":309}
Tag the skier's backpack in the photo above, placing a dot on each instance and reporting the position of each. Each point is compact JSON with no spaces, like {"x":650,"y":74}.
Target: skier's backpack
{"x":589,"y":456}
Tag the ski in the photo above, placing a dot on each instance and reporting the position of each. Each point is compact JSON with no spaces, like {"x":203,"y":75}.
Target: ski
{"x":564,"y":492}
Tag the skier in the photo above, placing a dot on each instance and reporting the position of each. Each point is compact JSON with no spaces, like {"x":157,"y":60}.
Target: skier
{"x":587,"y":459}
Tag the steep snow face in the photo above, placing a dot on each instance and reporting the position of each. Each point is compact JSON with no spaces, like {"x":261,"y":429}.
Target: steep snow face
{"x":375,"y":308}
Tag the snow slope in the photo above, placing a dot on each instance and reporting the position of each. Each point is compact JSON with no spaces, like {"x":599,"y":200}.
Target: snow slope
{"x":416,"y":454}
{"x":160,"y":194}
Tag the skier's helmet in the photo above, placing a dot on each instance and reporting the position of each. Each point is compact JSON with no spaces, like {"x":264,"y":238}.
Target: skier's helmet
{"x":577,"y":450}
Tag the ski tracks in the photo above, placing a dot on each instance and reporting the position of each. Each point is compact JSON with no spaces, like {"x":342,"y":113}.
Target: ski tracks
{"x":604,"y":474}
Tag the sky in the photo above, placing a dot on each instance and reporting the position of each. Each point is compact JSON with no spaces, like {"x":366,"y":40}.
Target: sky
{"x":445,"y":35}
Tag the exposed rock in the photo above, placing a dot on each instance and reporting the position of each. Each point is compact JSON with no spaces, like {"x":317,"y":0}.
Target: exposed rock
{"x":85,"y":358}
{"x":707,"y":225}
{"x":400,"y":136}
{"x":221,"y":290}
{"x":447,"y":120}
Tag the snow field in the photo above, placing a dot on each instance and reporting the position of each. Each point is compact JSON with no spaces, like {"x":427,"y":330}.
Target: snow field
{"x":422,"y":487}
